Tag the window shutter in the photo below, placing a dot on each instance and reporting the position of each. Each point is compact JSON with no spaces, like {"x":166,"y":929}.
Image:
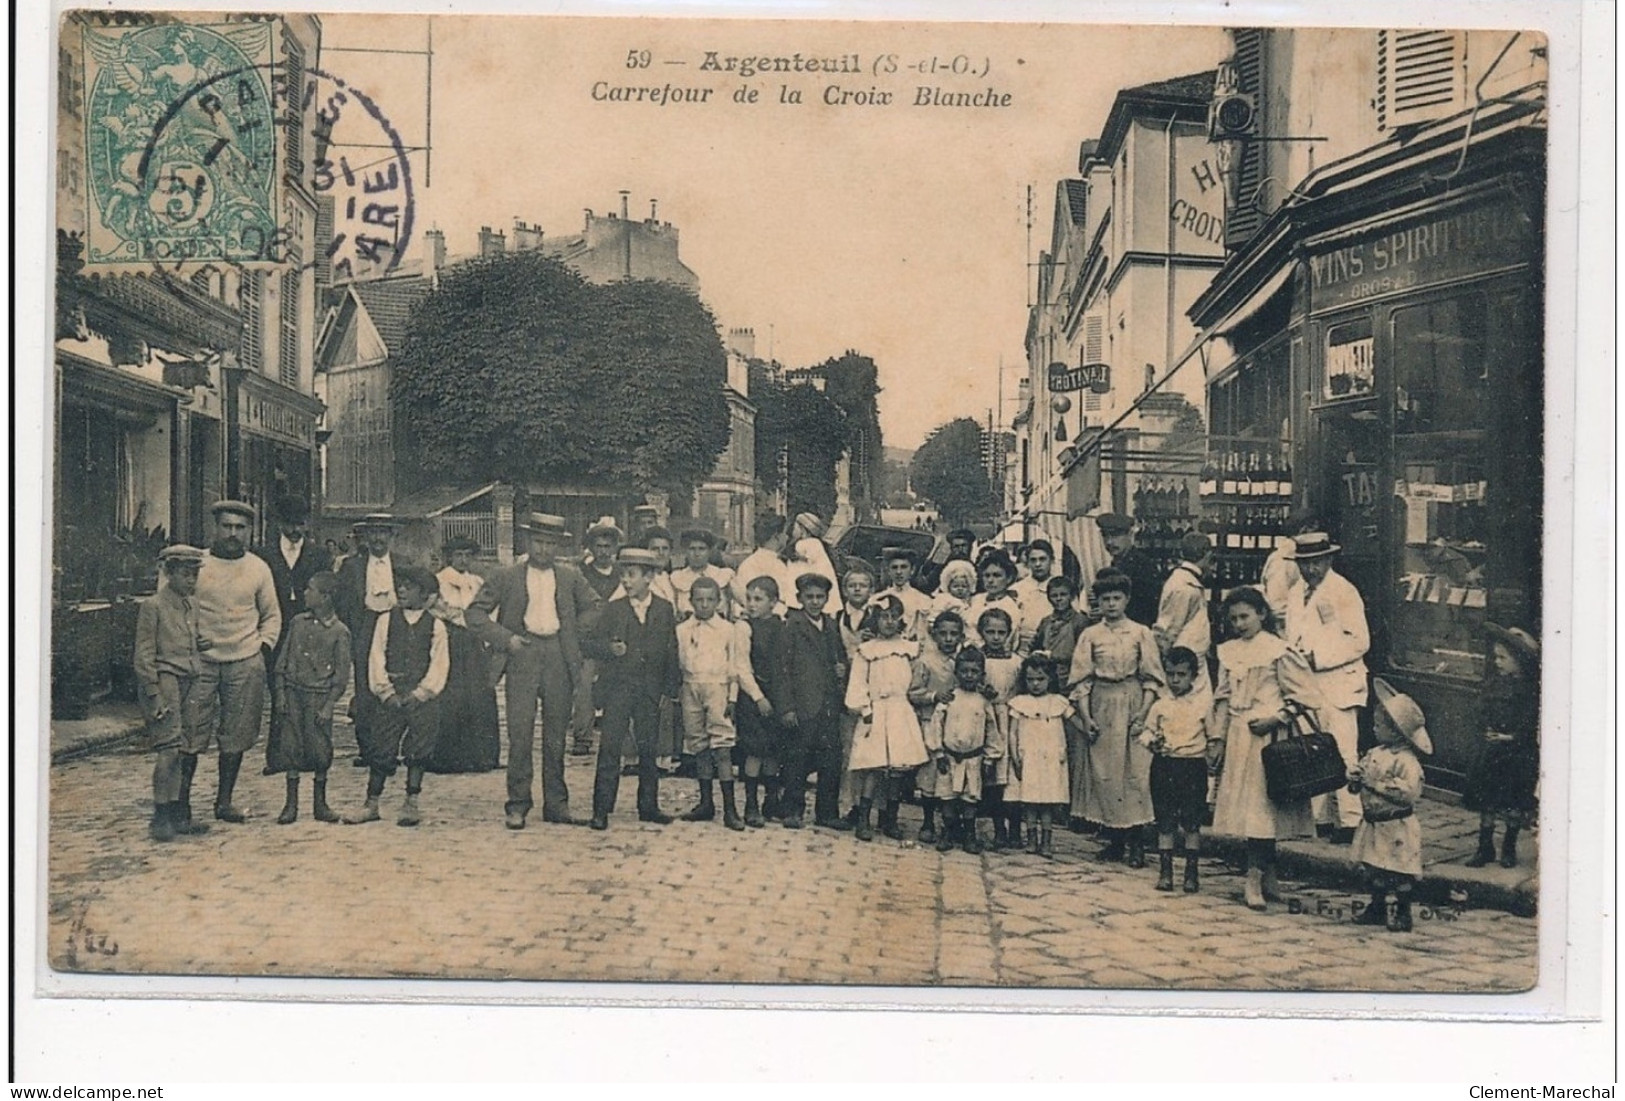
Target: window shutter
{"x":293,"y":114}
{"x":1242,"y":216}
{"x":1421,"y":76}
{"x":1094,"y":340}
{"x":288,"y":349}
{"x":251,"y":354}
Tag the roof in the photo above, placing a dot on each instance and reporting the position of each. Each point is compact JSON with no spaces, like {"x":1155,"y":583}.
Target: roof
{"x":1077,"y":198}
{"x":1182,"y":97}
{"x":390,"y":304}
{"x":426,"y":504}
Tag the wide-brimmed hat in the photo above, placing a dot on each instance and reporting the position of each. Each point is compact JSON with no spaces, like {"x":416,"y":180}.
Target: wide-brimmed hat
{"x":545,"y":523}
{"x":1524,"y":645}
{"x":1114,"y":523}
{"x":637,"y":556}
{"x":181,"y":554}
{"x":1312,"y":544}
{"x":605,"y":525}
{"x":1404,"y":713}
{"x":241,"y":508}
{"x":377,"y":521}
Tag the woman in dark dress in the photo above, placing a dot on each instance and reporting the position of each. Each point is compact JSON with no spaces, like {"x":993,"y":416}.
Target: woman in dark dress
{"x":1502,"y":782}
{"x":470,"y":739}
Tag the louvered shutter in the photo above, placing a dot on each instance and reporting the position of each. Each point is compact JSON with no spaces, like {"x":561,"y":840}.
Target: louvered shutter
{"x":1242,"y":215}
{"x":288,"y":348}
{"x":293,"y":114}
{"x":1421,"y":76}
{"x":250,"y":354}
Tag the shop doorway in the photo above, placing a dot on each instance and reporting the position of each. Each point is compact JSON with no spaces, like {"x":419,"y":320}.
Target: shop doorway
{"x":1349,"y":498}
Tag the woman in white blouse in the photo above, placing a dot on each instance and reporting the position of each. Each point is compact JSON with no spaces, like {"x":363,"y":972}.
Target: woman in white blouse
{"x":470,"y":738}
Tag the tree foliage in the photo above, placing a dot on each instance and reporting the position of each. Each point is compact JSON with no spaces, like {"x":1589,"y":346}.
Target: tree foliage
{"x":947,"y":470}
{"x":516,"y":369}
{"x":851,"y":382}
{"x":801,"y":423}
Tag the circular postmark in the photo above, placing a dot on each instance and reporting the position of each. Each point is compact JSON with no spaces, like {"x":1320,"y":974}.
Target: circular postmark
{"x":203,"y":185}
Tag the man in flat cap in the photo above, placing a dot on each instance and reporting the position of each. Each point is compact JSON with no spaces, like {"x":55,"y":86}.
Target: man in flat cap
{"x":1117,"y":532}
{"x":534,"y":614}
{"x":168,"y":661}
{"x":366,"y":591}
{"x":239,"y":622}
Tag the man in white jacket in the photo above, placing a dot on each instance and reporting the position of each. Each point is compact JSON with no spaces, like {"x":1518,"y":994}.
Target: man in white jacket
{"x":1325,"y":621}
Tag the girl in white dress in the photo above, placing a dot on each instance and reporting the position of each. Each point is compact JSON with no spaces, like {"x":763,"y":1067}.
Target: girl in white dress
{"x":887,"y":745}
{"x":1039,"y":719}
{"x":1258,"y":674}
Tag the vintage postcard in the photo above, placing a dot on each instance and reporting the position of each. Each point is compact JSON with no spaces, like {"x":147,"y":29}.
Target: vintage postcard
{"x":831,"y":504}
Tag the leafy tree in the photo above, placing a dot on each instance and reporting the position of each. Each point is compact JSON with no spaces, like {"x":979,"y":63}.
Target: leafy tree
{"x":798,"y":421}
{"x":947,"y":470}
{"x":516,"y":369}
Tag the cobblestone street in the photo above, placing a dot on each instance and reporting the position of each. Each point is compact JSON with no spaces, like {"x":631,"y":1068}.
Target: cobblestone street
{"x":460,"y":896}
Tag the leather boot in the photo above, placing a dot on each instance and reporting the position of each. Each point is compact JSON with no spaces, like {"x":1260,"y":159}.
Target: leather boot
{"x":707,"y":809}
{"x":1001,"y":837}
{"x":1253,"y":892}
{"x":730,"y":812}
{"x":410,"y":815}
{"x":753,"y":809}
{"x":948,"y":835}
{"x":1193,"y":878}
{"x":772,"y":802}
{"x":1376,"y":911}
{"x":1046,"y":843}
{"x":230,"y":765}
{"x":163,"y":822}
{"x":888,"y":822}
{"x":864,"y":832}
{"x":1400,"y":920}
{"x":367,"y":813}
{"x":1136,"y":849}
{"x":1034,"y":843}
{"x":290,"y":806}
{"x":1113,"y":852}
{"x":319,"y":809}
{"x":1165,"y":869}
{"x":1509,"y":848}
{"x":1272,"y":885}
{"x":1486,"y":848}
{"x":183,"y":809}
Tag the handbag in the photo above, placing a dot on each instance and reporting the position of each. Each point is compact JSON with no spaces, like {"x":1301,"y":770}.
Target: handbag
{"x":1304,"y":763}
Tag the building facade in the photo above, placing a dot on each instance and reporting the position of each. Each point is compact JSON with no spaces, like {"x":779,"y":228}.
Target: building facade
{"x":1374,"y":339}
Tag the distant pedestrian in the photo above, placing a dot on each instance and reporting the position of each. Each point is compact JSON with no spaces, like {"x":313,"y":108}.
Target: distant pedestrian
{"x":1116,"y":675}
{"x":1040,"y":716}
{"x":933,"y":684}
{"x":996,"y":626}
{"x":817,"y":677}
{"x":965,"y":731}
{"x":715,"y":659}
{"x":312,"y":675}
{"x":1388,"y":780}
{"x":759,"y":724}
{"x":240,"y":618}
{"x":1503,"y":780}
{"x":887,"y":746}
{"x":1259,"y":675}
{"x":635,"y":643}
{"x":168,"y":666}
{"x":1179,"y":732}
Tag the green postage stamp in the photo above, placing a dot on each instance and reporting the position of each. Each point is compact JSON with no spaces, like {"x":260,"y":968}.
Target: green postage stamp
{"x":180,"y":143}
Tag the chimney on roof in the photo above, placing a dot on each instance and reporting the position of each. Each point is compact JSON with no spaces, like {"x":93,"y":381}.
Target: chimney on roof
{"x":742,"y":342}
{"x":625,"y":195}
{"x":492,"y":244}
{"x":526,"y":238}
{"x":652,"y":209}
{"x":435,"y":240}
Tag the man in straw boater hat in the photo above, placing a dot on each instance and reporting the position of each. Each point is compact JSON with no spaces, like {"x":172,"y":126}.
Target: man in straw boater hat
{"x":1388,"y":782}
{"x":533,"y":614}
{"x":168,"y":662}
{"x":1325,"y":622}
{"x":366,"y":591}
{"x":602,"y":571}
{"x":240,"y":620}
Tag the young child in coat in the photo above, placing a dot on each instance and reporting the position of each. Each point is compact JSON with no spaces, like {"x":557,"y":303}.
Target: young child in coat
{"x":887,"y":745}
{"x":997,"y":628}
{"x":761,"y":735}
{"x":715,"y":657}
{"x":1179,"y":731}
{"x":166,"y":667}
{"x":1502,"y":782}
{"x":816,"y":671}
{"x":312,"y":673}
{"x":957,"y":588}
{"x":1388,"y":780}
{"x":1040,"y":718}
{"x":406,"y":671}
{"x":965,"y":730}
{"x":933,"y":684}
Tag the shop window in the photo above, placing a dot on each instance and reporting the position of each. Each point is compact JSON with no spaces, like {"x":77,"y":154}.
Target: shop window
{"x":1441,"y":368}
{"x":1350,"y":361}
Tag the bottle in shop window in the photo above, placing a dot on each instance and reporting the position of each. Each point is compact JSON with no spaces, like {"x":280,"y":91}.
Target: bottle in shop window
{"x":1286,"y":470}
{"x":1209,"y":484}
{"x":1272,"y":476}
{"x":1139,"y":501}
{"x":1182,"y":500}
{"x":1227,"y":486}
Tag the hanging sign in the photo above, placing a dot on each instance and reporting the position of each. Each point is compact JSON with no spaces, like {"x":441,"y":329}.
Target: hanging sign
{"x":1065,"y":379}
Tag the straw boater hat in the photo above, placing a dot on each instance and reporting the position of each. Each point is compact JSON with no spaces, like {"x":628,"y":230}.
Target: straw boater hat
{"x":543,"y":523}
{"x":377,"y":521}
{"x":1404,"y":713}
{"x":241,"y":508}
{"x":809,"y":522}
{"x":637,"y":556}
{"x":605,"y":525}
{"x":1312,"y":544}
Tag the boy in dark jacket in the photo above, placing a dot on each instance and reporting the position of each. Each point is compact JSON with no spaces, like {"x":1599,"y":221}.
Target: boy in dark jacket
{"x":815,"y":687}
{"x":636,"y":647}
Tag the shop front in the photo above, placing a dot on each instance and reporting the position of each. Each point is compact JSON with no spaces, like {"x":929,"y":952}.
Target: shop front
{"x":271,"y":443}
{"x":1390,"y":381}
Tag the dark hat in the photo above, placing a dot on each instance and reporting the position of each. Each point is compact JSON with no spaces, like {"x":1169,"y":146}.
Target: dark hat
{"x":1523,"y":644}
{"x":605,"y":525}
{"x":696,"y":535}
{"x":462,"y":543}
{"x":181,"y":555}
{"x":1114,"y":523}
{"x":241,"y":508}
{"x":890,"y":554}
{"x":637,"y":556}
{"x":1312,"y":544}
{"x":814,"y":580}
{"x":543,"y":523}
{"x":962,"y":535}
{"x":293,"y":510}
{"x":374,"y":521}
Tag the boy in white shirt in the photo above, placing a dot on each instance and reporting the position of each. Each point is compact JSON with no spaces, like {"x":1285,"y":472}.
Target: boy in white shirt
{"x":715,"y":658}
